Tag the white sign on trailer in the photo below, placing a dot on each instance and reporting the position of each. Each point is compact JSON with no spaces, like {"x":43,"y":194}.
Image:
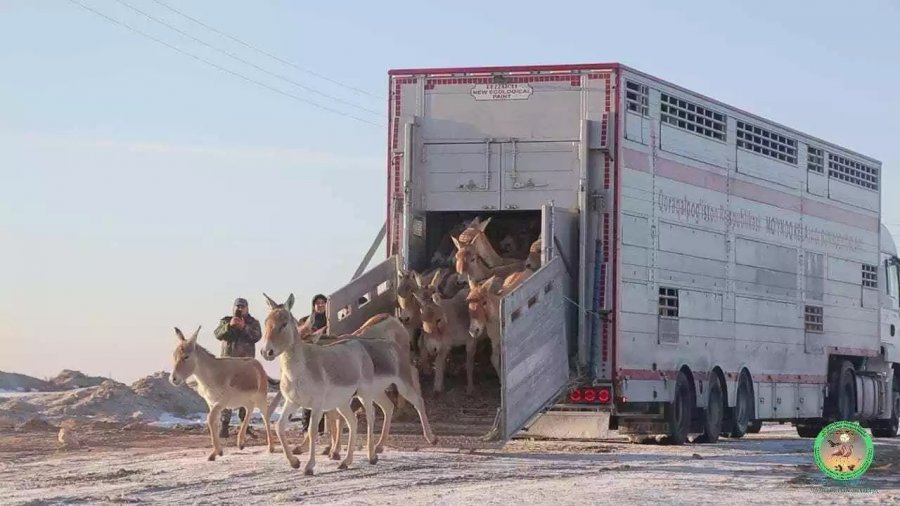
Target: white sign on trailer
{"x":497,"y":91}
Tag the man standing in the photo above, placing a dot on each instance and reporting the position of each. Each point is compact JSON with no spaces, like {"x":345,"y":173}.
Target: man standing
{"x":239,"y":334}
{"x":316,"y":322}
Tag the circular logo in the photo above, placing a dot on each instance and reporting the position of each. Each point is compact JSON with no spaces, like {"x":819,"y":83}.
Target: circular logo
{"x":843,"y":450}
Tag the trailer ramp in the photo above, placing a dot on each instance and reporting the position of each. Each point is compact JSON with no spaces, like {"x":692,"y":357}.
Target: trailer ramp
{"x":534,"y":358}
{"x":372,"y":293}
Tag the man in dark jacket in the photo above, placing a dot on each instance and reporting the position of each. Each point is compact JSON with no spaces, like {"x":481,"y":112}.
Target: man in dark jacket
{"x":239,"y":334}
{"x":317,"y":321}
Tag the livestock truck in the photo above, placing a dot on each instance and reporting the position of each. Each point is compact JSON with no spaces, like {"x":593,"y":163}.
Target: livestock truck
{"x":704,"y":269}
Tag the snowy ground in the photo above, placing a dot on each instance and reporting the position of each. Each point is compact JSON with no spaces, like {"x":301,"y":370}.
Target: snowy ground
{"x":169,"y":467}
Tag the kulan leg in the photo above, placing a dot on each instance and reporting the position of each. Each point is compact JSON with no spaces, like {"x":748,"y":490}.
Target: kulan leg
{"x":315,"y":416}
{"x":212,"y":419}
{"x":336,"y":429}
{"x":329,"y":423}
{"x":370,"y":423}
{"x":242,"y":432}
{"x":350,"y":418}
{"x":408,"y":388}
{"x":261,"y":405}
{"x":440,"y":363}
{"x":387,"y":408}
{"x":470,"y":366}
{"x":289,"y":407}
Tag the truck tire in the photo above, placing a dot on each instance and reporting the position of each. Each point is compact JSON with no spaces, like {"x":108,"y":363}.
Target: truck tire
{"x":742,"y":413}
{"x":754,"y":427}
{"x":714,"y":414}
{"x":891,"y":426}
{"x":679,"y":414}
{"x":845,"y":390}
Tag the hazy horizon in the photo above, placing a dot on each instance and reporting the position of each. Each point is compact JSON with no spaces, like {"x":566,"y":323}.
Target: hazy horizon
{"x":143,"y":189}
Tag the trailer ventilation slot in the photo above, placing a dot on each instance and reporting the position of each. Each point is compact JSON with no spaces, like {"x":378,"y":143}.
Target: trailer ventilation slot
{"x":668,"y":302}
{"x":815,"y":160}
{"x":692,"y":117}
{"x":869,"y":276}
{"x":852,"y":172}
{"x":637,"y":98}
{"x":766,"y":143}
{"x":814,"y":319}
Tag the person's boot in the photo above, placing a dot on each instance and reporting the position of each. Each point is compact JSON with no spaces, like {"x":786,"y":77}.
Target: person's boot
{"x":224,"y":422}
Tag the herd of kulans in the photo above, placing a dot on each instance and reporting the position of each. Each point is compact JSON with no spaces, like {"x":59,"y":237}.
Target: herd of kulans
{"x":458,"y":306}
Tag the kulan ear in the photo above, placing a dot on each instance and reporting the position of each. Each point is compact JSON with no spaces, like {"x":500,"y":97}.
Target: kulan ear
{"x":271,"y":303}
{"x":193,"y":338}
{"x":437,"y":278}
{"x":179,"y":334}
{"x":483,"y":225}
{"x":436,"y":297}
{"x":486,"y":284}
{"x":419,"y":281}
{"x":290,"y":302}
{"x":456,"y":242}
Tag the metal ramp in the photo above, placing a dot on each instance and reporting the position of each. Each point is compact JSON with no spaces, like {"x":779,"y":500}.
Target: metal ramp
{"x":534,"y":357}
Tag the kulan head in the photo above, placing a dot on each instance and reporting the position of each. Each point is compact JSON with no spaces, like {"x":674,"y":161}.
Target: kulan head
{"x":280,"y":328}
{"x":184,"y":357}
{"x":533,"y":262}
{"x":478,"y":302}
{"x":466,"y":255}
{"x":433,"y":321}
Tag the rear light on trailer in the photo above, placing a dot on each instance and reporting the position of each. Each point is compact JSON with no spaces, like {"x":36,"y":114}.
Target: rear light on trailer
{"x":590,"y":395}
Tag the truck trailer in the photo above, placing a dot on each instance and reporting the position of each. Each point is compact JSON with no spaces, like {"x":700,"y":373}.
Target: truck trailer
{"x":704,"y":269}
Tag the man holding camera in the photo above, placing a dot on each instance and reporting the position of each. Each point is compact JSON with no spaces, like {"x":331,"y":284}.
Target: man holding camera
{"x":239,"y":334}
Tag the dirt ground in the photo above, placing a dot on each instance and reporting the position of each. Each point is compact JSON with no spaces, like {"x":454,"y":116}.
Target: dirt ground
{"x":168,"y":466}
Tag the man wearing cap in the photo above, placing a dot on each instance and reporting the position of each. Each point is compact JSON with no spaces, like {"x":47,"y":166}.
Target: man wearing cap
{"x":239,"y":334}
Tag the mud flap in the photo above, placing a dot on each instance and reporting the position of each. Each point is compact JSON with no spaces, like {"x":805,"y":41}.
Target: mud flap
{"x":372,"y":293}
{"x":533,"y":358}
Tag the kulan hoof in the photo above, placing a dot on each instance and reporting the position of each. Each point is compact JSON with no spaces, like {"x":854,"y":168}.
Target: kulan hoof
{"x":212,"y":457}
{"x":308,"y":472}
{"x":373,"y":460}
{"x":335,"y":456}
{"x":343,"y":466}
{"x":240,"y":447}
{"x":379,"y":449}
{"x":297,"y":450}
{"x":221,"y":453}
{"x":271,"y":449}
{"x":295,"y":464}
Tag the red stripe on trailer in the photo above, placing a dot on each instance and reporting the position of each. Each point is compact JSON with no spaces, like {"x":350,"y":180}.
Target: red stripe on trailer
{"x":508,"y":69}
{"x":675,"y":171}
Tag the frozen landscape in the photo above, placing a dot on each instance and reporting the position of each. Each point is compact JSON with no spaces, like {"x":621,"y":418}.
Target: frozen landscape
{"x":146,"y":443}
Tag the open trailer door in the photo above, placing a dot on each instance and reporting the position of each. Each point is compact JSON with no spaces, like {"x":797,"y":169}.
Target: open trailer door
{"x":534,"y":358}
{"x":372,"y":293}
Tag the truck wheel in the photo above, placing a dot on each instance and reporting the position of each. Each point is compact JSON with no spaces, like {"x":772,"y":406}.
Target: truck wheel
{"x":889,"y":428}
{"x":743,"y":407}
{"x":714,"y":413}
{"x":754,"y":427}
{"x":680,"y":413}
{"x":846,"y":391}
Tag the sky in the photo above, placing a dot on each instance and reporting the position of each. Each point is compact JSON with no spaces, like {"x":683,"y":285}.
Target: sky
{"x":142,"y":189}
